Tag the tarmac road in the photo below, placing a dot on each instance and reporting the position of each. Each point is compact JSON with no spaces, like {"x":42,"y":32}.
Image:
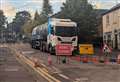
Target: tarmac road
{"x":74,"y":72}
{"x":12,"y":70}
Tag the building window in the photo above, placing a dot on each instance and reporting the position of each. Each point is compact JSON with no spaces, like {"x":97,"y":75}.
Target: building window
{"x":104,"y":37}
{"x":107,"y":20}
{"x":109,"y":37}
{"x":115,"y":17}
{"x":109,"y":41}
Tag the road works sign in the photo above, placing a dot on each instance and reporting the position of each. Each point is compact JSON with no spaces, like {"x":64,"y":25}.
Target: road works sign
{"x":106,"y":48}
{"x":64,"y":49}
{"x":86,"y":49}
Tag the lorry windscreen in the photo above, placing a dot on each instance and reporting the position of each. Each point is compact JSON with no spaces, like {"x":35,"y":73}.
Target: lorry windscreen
{"x":65,"y":31}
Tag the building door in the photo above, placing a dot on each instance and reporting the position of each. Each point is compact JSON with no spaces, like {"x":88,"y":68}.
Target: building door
{"x":116,"y":41}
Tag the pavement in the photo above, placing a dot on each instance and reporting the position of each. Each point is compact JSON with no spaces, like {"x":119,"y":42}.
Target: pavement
{"x":73,"y":71}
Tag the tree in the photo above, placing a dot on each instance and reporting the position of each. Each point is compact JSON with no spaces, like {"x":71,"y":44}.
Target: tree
{"x":46,"y":10}
{"x":38,"y":19}
{"x":37,"y":16}
{"x":28,"y":26}
{"x":2,"y":20}
{"x":83,"y":13}
{"x":20,"y":19}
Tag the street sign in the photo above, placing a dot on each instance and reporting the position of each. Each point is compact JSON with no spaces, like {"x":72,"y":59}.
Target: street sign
{"x":86,"y":49}
{"x":64,"y":49}
{"x":106,"y":49}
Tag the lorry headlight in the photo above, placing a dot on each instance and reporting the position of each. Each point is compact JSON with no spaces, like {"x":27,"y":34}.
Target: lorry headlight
{"x":59,"y":39}
{"x":73,"y":39}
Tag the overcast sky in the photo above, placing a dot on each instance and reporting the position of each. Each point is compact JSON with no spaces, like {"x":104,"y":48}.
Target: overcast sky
{"x":10,"y":7}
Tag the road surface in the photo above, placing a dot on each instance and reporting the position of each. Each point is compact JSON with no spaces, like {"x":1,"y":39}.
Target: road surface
{"x":13,"y":70}
{"x":74,"y":71}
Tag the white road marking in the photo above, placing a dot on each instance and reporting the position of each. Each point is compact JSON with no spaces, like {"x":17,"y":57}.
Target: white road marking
{"x":43,"y":65}
{"x":64,"y":76}
{"x":56,"y":69}
{"x":84,"y":79}
{"x":27,"y":52}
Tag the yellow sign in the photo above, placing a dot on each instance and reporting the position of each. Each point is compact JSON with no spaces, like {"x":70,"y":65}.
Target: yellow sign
{"x":86,"y":49}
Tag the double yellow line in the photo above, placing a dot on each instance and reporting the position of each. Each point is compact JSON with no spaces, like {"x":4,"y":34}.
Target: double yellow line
{"x":41,"y":71}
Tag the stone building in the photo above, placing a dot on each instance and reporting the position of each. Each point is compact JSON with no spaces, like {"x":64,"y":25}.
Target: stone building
{"x":111,"y":27}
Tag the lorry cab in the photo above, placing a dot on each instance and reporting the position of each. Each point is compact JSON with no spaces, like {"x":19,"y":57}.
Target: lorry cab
{"x":62,"y":31}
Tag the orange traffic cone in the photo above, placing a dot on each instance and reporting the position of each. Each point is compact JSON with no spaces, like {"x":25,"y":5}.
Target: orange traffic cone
{"x":49,"y":60}
{"x":85,"y":60}
{"x":36,"y":64}
{"x":89,"y":59}
{"x":95,"y":60}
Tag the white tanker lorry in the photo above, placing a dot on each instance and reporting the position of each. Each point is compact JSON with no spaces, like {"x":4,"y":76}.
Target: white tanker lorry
{"x":55,"y":31}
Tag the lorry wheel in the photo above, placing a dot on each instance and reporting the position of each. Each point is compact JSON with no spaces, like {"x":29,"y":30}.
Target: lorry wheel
{"x":51,"y":50}
{"x":42,"y":48}
{"x":33,"y":47}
